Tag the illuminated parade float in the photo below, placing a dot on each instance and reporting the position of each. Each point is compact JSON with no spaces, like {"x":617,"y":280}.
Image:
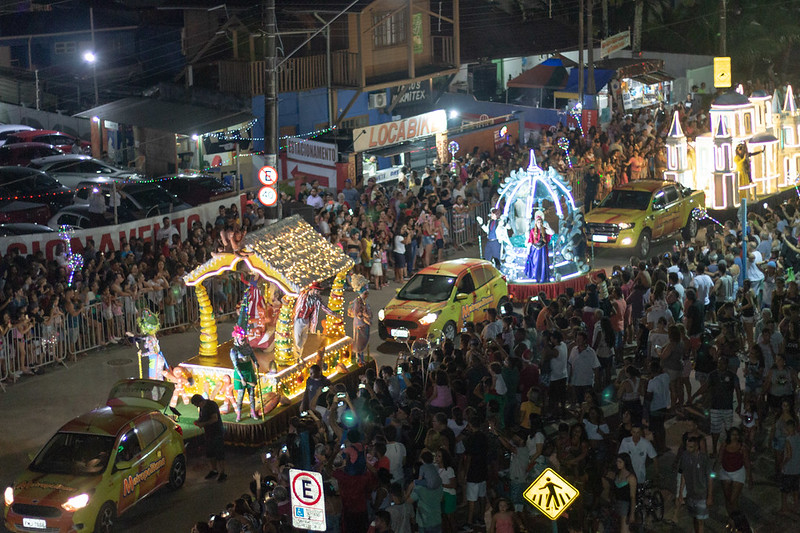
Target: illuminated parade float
{"x":525,"y":196}
{"x":283,"y":265}
{"x":766,"y":131}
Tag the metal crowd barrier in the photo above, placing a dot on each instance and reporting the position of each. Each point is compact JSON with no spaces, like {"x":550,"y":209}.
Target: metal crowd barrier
{"x":464,"y":227}
{"x":99,"y":325}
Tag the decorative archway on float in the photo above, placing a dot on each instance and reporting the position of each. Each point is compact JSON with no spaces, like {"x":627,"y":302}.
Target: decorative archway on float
{"x":524,"y":191}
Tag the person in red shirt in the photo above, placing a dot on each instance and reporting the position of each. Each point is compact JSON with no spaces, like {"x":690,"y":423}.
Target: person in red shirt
{"x":355,"y":491}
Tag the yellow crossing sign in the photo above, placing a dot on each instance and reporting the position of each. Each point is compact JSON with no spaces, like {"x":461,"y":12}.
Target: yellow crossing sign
{"x":551,"y":494}
{"x":722,"y":72}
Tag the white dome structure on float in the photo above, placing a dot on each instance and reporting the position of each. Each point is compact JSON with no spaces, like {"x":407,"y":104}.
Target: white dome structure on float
{"x":528,"y":190}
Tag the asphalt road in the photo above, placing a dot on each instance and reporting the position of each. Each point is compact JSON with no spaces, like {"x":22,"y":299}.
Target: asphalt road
{"x":33,"y":409}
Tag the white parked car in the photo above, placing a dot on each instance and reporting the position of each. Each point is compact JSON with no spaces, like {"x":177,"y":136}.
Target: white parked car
{"x":10,"y":129}
{"x":71,"y":169}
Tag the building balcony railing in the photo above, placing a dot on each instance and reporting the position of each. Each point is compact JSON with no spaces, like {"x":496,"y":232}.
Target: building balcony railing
{"x":248,"y":78}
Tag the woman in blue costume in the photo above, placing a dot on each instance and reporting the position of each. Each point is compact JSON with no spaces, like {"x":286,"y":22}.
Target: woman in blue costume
{"x":537,"y":267}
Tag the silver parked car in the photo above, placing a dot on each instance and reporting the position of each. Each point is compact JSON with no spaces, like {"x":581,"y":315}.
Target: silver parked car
{"x":71,"y":169}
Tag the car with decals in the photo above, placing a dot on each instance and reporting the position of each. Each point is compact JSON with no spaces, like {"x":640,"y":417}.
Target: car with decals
{"x":100,"y":464}
{"x":443,"y":296}
{"x":635,"y":214}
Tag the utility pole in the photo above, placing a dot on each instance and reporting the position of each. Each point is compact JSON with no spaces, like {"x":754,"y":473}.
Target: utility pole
{"x":580,"y":51}
{"x":94,"y":62}
{"x":271,"y":99}
{"x":590,"y":48}
{"x":723,"y":28}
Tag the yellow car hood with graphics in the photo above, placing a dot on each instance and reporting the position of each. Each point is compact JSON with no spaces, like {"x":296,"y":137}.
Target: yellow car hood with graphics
{"x":52,"y":489}
{"x":411,"y":310}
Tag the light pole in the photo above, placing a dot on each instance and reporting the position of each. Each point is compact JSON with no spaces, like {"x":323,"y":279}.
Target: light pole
{"x":91,"y":58}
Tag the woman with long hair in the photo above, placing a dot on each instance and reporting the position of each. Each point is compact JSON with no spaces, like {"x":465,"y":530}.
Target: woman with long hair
{"x":735,"y":471}
{"x":622,"y":485}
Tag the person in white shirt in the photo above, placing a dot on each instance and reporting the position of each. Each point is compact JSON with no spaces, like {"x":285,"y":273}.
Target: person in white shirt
{"x":494,"y":328}
{"x":584,"y":364}
{"x":639,"y":449}
{"x":396,"y":453}
{"x":703,"y":285}
{"x":660,"y":400}
{"x":556,"y":356}
{"x":167,"y":231}
{"x":314,"y":199}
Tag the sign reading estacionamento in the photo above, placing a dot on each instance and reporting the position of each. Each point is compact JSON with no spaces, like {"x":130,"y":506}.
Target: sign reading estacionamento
{"x":311,"y":151}
{"x":399,"y":131}
{"x":308,"y":500}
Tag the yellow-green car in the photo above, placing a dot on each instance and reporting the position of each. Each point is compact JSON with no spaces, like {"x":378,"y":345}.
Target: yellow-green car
{"x":100,"y":464}
{"x":635,"y":214}
{"x":443,"y":297}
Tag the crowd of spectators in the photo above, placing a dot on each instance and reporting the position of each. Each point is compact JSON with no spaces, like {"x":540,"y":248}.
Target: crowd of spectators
{"x":45,"y":318}
{"x":449,"y":442}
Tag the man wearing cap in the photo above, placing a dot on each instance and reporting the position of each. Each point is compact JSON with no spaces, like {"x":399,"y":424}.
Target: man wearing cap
{"x":351,"y":195}
{"x":306,"y":314}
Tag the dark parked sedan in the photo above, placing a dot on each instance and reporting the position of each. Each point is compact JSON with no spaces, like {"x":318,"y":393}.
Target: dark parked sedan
{"x":195,"y":189}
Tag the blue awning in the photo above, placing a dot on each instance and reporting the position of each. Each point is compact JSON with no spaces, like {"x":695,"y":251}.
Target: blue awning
{"x":601,"y":79}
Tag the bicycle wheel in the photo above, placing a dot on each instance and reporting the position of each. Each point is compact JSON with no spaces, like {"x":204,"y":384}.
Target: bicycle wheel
{"x":657,"y":505}
{"x":640,"y":516}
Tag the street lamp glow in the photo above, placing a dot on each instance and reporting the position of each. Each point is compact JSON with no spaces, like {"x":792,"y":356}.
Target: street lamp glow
{"x":195,"y":137}
{"x":89,"y":56}
{"x":454,"y":113}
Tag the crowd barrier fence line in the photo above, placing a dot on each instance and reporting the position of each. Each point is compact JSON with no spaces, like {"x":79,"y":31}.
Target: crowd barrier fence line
{"x":57,"y":341}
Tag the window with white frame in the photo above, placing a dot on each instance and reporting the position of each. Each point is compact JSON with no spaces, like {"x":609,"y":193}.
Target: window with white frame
{"x":64,"y":47}
{"x":390,"y":28}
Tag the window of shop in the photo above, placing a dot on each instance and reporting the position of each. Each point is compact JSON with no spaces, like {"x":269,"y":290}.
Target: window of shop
{"x":64,"y":47}
{"x":390,"y":28}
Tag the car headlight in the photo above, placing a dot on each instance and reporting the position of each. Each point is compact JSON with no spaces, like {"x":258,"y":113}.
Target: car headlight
{"x":76,"y":502}
{"x":430,"y":318}
{"x":9,"y":495}
{"x":626,"y":225}
{"x":381,"y":315}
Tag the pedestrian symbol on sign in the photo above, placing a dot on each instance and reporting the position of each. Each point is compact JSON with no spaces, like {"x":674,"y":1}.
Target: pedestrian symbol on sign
{"x":551,"y":494}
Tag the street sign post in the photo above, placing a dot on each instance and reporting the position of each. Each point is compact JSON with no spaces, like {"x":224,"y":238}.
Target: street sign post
{"x":308,"y":500}
{"x":551,"y":494}
{"x":268,"y":175}
{"x":268,"y":196}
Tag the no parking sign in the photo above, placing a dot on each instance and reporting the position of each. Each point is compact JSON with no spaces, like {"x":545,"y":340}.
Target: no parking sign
{"x":308,"y":500}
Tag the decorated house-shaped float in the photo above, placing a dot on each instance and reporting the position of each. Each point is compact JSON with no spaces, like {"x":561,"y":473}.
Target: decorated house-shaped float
{"x":277,"y":263}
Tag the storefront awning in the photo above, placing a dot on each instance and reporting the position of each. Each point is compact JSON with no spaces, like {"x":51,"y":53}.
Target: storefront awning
{"x":549,"y":74}
{"x":651,"y":78}
{"x":601,"y":79}
{"x":186,"y":119}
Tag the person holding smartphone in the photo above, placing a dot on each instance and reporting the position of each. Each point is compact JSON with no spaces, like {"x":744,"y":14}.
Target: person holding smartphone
{"x":315,"y":382}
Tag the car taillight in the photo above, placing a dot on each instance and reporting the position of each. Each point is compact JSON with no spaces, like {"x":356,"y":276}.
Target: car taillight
{"x":179,"y":429}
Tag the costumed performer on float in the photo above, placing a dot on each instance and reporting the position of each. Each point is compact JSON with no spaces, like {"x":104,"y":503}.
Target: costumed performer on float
{"x":361,"y":313}
{"x":245,"y":371}
{"x":156,"y":363}
{"x":537,"y":266}
{"x":496,"y":233}
{"x":306,"y":315}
